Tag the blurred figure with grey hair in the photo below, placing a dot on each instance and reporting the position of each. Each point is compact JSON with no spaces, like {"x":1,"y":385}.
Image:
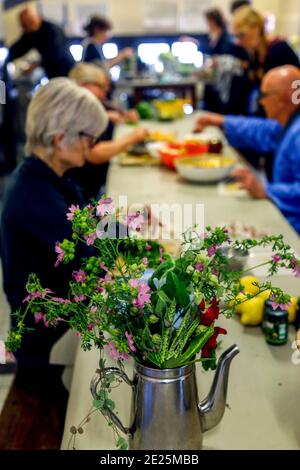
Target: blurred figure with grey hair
{"x":63,"y":123}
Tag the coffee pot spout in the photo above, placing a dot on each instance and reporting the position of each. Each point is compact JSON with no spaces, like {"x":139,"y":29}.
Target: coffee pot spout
{"x":212,"y":408}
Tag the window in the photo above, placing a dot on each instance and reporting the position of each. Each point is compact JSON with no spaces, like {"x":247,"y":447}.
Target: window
{"x":76,"y":51}
{"x":149,"y":52}
{"x":110,"y":50}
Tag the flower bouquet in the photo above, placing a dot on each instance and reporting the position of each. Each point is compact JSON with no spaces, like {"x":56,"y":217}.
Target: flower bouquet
{"x":131,"y":299}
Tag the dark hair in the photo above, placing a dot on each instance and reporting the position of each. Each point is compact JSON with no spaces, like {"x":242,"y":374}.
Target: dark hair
{"x":238,"y":4}
{"x":215,"y":15}
{"x":97,"y":22}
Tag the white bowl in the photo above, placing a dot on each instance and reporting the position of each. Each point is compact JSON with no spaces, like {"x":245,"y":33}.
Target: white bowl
{"x":188,"y":167}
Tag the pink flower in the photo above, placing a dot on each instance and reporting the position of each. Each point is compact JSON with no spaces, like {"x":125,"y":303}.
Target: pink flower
{"x":99,"y":233}
{"x":135,"y":221}
{"x":105,"y":268}
{"x":275,"y":305}
{"x":215,"y":272}
{"x":79,"y":298}
{"x":124,"y":356}
{"x":130,"y":341}
{"x":37,"y":295}
{"x":143,"y":296}
{"x":71,"y":213}
{"x":211,"y":251}
{"x":77,"y":334}
{"x":79,"y":276}
{"x":94,"y":309}
{"x":61,"y":301}
{"x":38,"y":317}
{"x":105,"y":207}
{"x":134,"y":283}
{"x":61,"y":254}
{"x":276,"y":258}
{"x":114,"y":353}
{"x":296,"y":266}
{"x":148,"y":248}
{"x":90,"y":239}
{"x":161,"y":259}
{"x":91,"y":327}
{"x":199,"y":267}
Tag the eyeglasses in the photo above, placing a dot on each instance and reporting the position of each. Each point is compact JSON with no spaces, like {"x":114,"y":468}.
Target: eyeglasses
{"x":92,"y":139}
{"x":264,"y":94}
{"x":240,"y":36}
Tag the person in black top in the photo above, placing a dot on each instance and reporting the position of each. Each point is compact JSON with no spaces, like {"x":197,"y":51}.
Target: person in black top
{"x":98,"y":32}
{"x":49,"y":40}
{"x":226,"y":92}
{"x":63,"y":122}
{"x":265,"y":53}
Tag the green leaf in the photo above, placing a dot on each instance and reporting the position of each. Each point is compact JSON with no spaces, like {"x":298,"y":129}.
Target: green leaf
{"x":176,"y":289}
{"x":195,"y":346}
{"x":158,"y":274}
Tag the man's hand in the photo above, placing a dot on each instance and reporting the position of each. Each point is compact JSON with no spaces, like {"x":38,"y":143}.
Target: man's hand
{"x":209,"y":119}
{"x":250,"y":182}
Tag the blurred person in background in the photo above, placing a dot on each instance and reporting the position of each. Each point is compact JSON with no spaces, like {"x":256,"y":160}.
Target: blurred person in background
{"x":98,"y":32}
{"x":226,"y":90}
{"x":265,"y":53}
{"x":48,"y":39}
{"x":279,"y":134}
{"x":63,"y":122}
{"x":92,"y":177}
{"x":238,"y":4}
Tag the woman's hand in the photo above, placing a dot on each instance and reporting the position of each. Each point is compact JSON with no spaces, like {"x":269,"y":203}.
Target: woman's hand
{"x":138,"y":135}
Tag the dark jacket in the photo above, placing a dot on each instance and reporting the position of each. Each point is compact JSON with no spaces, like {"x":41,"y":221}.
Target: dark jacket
{"x":52,"y":44}
{"x":33,"y":220}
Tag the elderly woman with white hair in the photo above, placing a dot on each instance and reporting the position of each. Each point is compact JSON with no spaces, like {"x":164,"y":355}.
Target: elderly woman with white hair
{"x":63,"y":123}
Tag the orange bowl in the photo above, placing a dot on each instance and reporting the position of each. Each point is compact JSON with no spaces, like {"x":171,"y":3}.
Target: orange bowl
{"x":171,"y":152}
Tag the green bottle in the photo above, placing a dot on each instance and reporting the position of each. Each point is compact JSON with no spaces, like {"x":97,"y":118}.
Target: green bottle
{"x":275,"y":324}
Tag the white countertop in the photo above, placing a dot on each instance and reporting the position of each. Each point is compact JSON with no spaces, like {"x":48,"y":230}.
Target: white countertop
{"x":264,"y":384}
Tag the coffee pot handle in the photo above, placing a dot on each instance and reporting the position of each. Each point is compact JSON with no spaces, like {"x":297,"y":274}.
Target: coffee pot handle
{"x":100,"y":375}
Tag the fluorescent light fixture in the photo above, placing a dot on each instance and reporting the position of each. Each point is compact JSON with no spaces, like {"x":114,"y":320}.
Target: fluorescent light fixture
{"x":149,"y":52}
{"x":185,"y":51}
{"x":159,"y":67}
{"x":199,"y":59}
{"x":3,"y":54}
{"x":115,"y":73}
{"x":110,"y":50}
{"x":77,"y":52}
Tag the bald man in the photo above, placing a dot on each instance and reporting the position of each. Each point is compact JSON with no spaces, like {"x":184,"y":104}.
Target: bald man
{"x":279,"y":134}
{"x":48,"y":39}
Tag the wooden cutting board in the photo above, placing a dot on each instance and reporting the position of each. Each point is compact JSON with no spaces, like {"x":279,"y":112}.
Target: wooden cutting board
{"x":126,"y":159}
